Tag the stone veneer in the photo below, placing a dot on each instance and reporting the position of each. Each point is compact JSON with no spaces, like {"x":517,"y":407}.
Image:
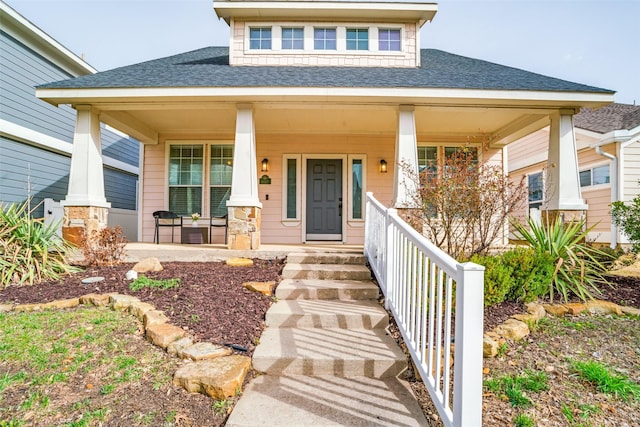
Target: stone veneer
{"x":244,"y":227}
{"x":80,"y":219}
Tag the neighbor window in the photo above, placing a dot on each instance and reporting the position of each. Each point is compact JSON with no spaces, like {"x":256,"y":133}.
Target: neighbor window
{"x":293,"y":38}
{"x":389,"y":40}
{"x":595,"y":176}
{"x":260,"y":38}
{"x":324,"y":38}
{"x":357,"y":39}
{"x":221,"y":166}
{"x":185,"y":179}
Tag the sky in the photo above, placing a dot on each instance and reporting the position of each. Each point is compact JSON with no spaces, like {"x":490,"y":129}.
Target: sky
{"x":590,"y":42}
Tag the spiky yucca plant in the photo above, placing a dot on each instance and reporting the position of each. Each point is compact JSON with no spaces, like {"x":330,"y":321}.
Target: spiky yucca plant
{"x":578,"y":270}
{"x":30,"y":251}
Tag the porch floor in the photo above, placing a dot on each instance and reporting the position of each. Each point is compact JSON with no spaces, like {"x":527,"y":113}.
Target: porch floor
{"x":166,"y":252}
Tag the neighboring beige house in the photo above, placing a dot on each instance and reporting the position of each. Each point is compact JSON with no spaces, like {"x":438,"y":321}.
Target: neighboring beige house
{"x":608,"y":150}
{"x":313,"y":104}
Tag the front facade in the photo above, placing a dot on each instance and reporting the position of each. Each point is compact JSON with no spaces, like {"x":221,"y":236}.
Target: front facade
{"x":36,"y":139}
{"x":608,"y":153}
{"x":312,"y":105}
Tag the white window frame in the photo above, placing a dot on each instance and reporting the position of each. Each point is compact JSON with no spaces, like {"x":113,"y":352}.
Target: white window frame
{"x":291,"y":222}
{"x":357,"y":222}
{"x":590,"y":168}
{"x":259,"y":27}
{"x":440,"y":146}
{"x":390,"y":28}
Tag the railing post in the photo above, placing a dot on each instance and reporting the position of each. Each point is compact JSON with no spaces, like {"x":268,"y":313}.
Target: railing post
{"x":389,"y":259}
{"x":467,"y":399}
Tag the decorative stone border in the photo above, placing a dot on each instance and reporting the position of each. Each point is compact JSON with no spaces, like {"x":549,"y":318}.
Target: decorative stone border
{"x":210,"y":368}
{"x":517,"y":327}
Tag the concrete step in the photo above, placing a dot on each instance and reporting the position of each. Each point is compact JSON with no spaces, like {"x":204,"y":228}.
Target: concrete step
{"x":326,"y":271}
{"x":290,"y":289}
{"x":326,"y":401}
{"x":338,"y":352}
{"x":327,"y":314}
{"x":326,"y":258}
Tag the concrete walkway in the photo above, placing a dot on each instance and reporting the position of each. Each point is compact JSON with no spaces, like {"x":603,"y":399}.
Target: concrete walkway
{"x":325,"y":355}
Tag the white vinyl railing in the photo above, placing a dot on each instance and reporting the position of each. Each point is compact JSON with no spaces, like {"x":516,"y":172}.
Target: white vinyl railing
{"x":437,"y":304}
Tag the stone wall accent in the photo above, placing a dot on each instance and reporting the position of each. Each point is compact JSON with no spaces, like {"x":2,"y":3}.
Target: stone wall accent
{"x":219,"y":378}
{"x":244,"y":227}
{"x":78,"y":220}
{"x":265,"y":288}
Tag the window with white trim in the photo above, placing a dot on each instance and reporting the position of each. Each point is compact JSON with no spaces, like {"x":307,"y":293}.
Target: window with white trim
{"x":292,"y":38}
{"x":535,"y":186}
{"x":356,"y":186}
{"x":220,"y":171}
{"x":260,"y":38}
{"x":291,"y":187}
{"x":324,"y":38}
{"x":186,"y":165}
{"x":598,"y":175}
{"x":357,"y":39}
{"x":389,"y":39}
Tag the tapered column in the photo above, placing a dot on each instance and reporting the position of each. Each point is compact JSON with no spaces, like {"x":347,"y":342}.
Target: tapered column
{"x":563,"y":181}
{"x":405,"y":171}
{"x":85,"y":205}
{"x":244,"y":207}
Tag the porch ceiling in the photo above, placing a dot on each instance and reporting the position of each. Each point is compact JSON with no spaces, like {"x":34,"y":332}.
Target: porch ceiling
{"x":432,"y":122}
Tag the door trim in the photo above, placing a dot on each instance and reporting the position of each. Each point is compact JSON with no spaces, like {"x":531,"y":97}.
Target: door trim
{"x":345,"y":198}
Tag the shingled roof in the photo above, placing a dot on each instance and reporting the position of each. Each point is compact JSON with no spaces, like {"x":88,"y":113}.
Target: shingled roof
{"x":609,"y":118}
{"x":209,"y":67}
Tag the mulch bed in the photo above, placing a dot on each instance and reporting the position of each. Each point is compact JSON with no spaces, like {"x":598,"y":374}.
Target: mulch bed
{"x":210,"y":302}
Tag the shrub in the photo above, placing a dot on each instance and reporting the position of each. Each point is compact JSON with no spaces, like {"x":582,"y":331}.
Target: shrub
{"x":577,"y":269}
{"x":532,"y":273}
{"x":497,"y":278}
{"x":627,"y":216}
{"x":30,"y":251}
{"x":105,"y":247}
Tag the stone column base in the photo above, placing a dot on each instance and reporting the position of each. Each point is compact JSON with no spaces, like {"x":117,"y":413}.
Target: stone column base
{"x":244,"y":227}
{"x":79,"y":220}
{"x":563,"y":216}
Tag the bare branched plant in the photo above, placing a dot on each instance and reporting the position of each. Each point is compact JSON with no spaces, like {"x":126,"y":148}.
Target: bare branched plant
{"x":464,"y":205}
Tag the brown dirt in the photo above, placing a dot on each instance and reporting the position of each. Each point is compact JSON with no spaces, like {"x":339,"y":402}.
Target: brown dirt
{"x":214,"y":306}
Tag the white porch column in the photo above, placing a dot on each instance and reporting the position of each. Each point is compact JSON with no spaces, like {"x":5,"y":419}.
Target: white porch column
{"x":244,"y":207}
{"x":563,"y":181}
{"x":85,"y":206}
{"x":405,"y":171}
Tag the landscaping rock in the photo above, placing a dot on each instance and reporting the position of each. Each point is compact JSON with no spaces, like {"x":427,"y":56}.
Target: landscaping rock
{"x":536,"y":310}
{"x":527,"y":318}
{"x":154,"y":317}
{"x":175,"y":347}
{"x":489,"y":347}
{"x":265,"y":288}
{"x":631,"y":311}
{"x":512,"y":329}
{"x":27,"y":307}
{"x":63,"y":303}
{"x":239,"y":262}
{"x":603,"y":307}
{"x":131,"y":275}
{"x":218,"y":378}
{"x":5,"y":308}
{"x":95,"y":299}
{"x":204,"y":350}
{"x":575,"y":308}
{"x":148,"y":264}
{"x":164,"y":334}
{"x":122,"y":302}
{"x":557,"y":310}
{"x":139,"y":309}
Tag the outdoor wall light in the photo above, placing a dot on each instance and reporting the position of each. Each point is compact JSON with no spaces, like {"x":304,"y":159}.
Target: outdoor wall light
{"x":383,"y":166}
{"x":265,"y":165}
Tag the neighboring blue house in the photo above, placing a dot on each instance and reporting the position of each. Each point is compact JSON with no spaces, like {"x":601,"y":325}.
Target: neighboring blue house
{"x":36,"y":138}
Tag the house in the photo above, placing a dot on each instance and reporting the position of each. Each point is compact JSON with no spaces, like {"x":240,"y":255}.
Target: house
{"x":608,"y":153}
{"x":312,"y":104}
{"x":36,"y":139}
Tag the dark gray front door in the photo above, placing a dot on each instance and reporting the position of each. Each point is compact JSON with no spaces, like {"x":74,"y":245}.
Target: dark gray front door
{"x":324,"y":199}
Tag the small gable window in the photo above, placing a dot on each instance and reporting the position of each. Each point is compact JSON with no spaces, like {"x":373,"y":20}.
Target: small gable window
{"x":357,"y":39}
{"x":389,"y":40}
{"x":324,"y":38}
{"x":293,"y":38}
{"x":260,"y":38}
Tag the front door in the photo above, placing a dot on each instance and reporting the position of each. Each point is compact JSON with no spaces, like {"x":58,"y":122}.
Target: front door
{"x":324,"y":199}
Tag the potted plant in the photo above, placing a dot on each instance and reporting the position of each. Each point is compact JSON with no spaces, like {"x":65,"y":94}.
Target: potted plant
{"x":194,"y":219}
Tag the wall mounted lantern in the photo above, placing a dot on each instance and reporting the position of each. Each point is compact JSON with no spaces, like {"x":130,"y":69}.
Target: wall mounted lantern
{"x":383,"y":166}
{"x":265,"y":165}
